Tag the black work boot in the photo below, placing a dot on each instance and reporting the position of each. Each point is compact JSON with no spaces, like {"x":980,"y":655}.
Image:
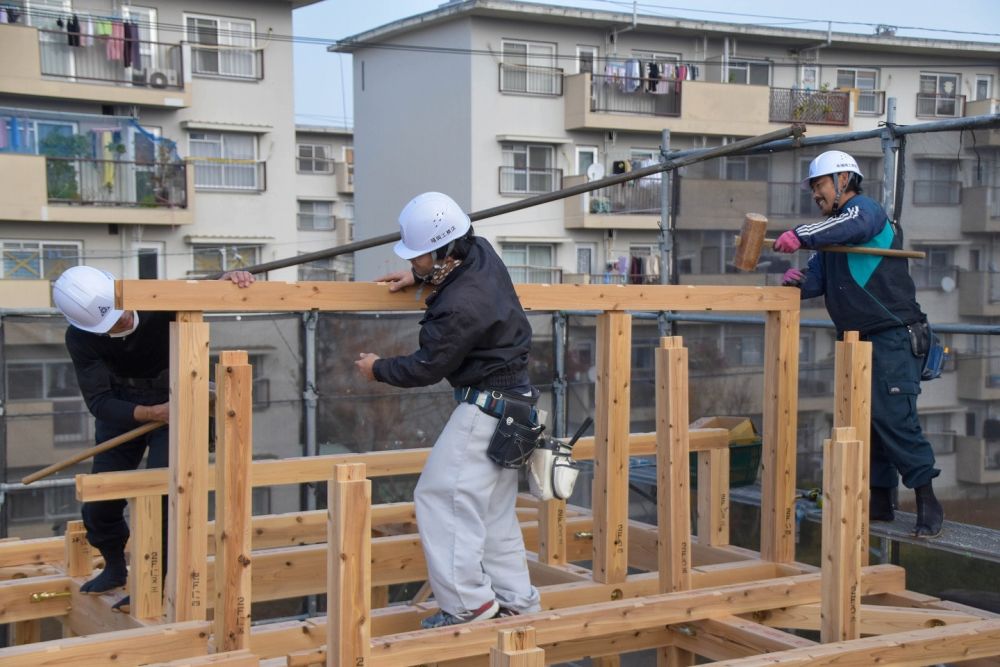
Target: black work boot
{"x":114,"y":575}
{"x":880,"y":504}
{"x":930,"y":514}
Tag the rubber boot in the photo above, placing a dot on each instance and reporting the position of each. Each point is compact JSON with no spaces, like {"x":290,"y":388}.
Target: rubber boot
{"x":930,"y":514}
{"x":880,"y":504}
{"x":114,"y":575}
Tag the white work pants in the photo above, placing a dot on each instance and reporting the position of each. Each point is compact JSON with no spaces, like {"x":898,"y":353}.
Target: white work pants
{"x":468,"y":523}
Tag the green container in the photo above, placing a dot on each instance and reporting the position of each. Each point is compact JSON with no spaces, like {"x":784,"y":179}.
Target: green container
{"x":744,"y":449}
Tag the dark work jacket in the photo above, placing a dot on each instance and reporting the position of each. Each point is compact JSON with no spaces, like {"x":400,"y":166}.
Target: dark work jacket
{"x":474,"y":332}
{"x":864,"y":293}
{"x":104,"y":365}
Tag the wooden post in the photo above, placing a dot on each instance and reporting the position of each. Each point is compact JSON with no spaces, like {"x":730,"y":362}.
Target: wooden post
{"x":853,"y":407}
{"x":145,"y":577}
{"x":233,"y":530}
{"x":187,"y":530}
{"x":79,"y":556}
{"x":348,"y":638}
{"x":673,"y":494}
{"x":611,"y":438}
{"x":26,"y":632}
{"x":552,"y":532}
{"x":713,"y":497}
{"x":781,"y":393}
{"x":516,"y":648}
{"x":841,"y":559}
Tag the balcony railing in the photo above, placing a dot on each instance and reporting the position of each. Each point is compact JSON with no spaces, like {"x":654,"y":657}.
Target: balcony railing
{"x":612,"y":278}
{"x":870,"y":103}
{"x":940,"y":106}
{"x":791,"y":105}
{"x":227,"y":62}
{"x":528,"y":181}
{"x":223,"y":174}
{"x":639,"y":197}
{"x":789,"y":199}
{"x":649,"y":97}
{"x":930,"y":277}
{"x":112,"y":60}
{"x":116,"y":183}
{"x":526,"y":273}
{"x":531,"y":79}
{"x":937,"y":193}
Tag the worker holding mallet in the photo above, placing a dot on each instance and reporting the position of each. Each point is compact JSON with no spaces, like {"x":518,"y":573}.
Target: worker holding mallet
{"x":874,"y":296}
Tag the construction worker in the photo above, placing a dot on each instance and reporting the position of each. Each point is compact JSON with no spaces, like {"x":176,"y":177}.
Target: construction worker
{"x":122,"y":361}
{"x":475,"y":334}
{"x":874,"y":296}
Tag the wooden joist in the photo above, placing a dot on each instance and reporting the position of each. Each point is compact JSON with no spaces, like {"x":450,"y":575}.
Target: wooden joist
{"x":876,"y":619}
{"x":145,"y":579}
{"x":37,"y":597}
{"x":733,"y":637}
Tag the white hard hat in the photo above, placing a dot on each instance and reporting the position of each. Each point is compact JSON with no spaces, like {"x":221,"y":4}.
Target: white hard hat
{"x":86,"y":296}
{"x":430,"y":221}
{"x":831,"y":162}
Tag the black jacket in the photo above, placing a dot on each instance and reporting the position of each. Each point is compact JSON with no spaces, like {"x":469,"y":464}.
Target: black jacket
{"x":474,"y":332}
{"x":104,"y":365}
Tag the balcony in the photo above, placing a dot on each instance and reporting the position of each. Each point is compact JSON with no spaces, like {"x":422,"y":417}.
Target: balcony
{"x":981,"y":210}
{"x":530,"y":80}
{"x":633,"y":205}
{"x":979,"y":294}
{"x":637,"y":96}
{"x":977,"y":461}
{"x":718,"y":204}
{"x":35,"y":188}
{"x":978,"y":377}
{"x":985,"y":137}
{"x":791,"y":105}
{"x":940,"y":106}
{"x":344,"y":174}
{"x":40,"y":63}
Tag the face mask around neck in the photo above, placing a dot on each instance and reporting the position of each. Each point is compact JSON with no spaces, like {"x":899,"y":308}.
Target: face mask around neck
{"x":135,"y":325}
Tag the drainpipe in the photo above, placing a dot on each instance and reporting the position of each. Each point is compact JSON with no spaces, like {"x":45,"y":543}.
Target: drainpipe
{"x":559,"y":382}
{"x":615,"y":33}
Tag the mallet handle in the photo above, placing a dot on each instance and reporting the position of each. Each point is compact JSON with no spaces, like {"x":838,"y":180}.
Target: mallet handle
{"x":111,"y":443}
{"x":860,"y":250}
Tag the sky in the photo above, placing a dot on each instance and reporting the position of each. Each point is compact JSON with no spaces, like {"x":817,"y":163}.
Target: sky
{"x":323,"y":80}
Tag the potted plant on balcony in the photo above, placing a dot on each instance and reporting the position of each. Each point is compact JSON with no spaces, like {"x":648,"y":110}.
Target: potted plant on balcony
{"x":61,"y":174}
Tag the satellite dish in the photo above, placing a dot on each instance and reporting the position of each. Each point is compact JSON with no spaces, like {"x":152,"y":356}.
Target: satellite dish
{"x":595,"y":172}
{"x":948,"y":284}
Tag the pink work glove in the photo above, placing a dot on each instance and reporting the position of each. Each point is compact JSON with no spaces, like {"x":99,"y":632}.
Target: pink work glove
{"x":793,"y":278}
{"x":787,"y":242}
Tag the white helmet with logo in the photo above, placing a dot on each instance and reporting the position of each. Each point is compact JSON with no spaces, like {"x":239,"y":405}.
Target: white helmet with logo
{"x":430,"y":221}
{"x":829,"y":163}
{"x":86,"y":296}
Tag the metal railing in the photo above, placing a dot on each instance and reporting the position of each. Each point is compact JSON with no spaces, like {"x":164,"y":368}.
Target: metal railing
{"x":116,"y":182}
{"x":522,"y":180}
{"x":791,"y":105}
{"x":870,"y":103}
{"x":937,"y":193}
{"x":227,"y":62}
{"x":527,"y":273}
{"x":112,"y":60}
{"x":531,"y":79}
{"x":612,"y":278}
{"x":940,"y":106}
{"x":640,"y":197}
{"x":223,"y":174}
{"x":650,"y":97}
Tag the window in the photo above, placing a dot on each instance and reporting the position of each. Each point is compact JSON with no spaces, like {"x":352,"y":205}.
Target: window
{"x":984,"y":86}
{"x":531,"y":262}
{"x":145,"y":19}
{"x":315,"y":159}
{"x":585,"y":258}
{"x":937,"y":183}
{"x":226,"y":47}
{"x":866,"y":81}
{"x":37,"y":260}
{"x":744,"y":349}
{"x":51,"y":380}
{"x":316,"y":216}
{"x":938,"y":95}
{"x":226,"y":161}
{"x":585,"y":156}
{"x":585,"y":58}
{"x":756,"y":73}
{"x":148,"y":260}
{"x":929,"y":272}
{"x":527,"y":169}
{"x":530,"y":67}
{"x":215,"y":258}
{"x":745,"y":168}
{"x":43,"y":505}
{"x":705,"y":251}
{"x":329,"y":268}
{"x":808,"y":77}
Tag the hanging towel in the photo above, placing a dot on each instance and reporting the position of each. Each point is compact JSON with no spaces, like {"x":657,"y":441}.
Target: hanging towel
{"x":136,"y":53}
{"x":108,"y":157}
{"x":3,"y":15}
{"x":632,"y":74}
{"x":116,"y":44}
{"x":87,"y":32}
{"x":73,"y":31}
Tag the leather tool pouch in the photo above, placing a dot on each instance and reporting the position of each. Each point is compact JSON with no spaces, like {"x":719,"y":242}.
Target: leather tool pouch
{"x":920,"y":338}
{"x":517,"y":435}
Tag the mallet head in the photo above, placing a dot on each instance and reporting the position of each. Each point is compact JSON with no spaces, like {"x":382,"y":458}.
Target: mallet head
{"x":751,"y":242}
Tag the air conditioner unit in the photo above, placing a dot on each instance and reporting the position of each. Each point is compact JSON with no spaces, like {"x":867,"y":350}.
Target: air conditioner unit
{"x":173,"y":78}
{"x":159,"y":79}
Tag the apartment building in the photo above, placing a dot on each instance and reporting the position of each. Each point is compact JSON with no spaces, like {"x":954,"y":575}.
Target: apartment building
{"x":153,"y":141}
{"x":504,"y":100}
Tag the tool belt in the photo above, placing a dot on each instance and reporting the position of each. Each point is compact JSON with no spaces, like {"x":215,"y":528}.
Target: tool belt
{"x":517,"y":429}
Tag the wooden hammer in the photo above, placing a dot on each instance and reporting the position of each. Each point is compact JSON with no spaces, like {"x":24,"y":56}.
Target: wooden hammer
{"x":751,"y":240}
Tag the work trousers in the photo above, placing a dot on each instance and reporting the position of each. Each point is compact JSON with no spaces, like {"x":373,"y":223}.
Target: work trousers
{"x":465,"y":506}
{"x":898,"y":446}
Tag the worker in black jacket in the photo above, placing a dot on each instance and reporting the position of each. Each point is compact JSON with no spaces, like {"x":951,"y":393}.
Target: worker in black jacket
{"x":122,"y":362}
{"x":475,"y":334}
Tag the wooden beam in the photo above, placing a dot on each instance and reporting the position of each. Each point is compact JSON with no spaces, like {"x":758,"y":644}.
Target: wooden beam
{"x":38,"y":597}
{"x":733,"y":637}
{"x":950,"y":643}
{"x":877,"y":619}
{"x":125,"y":648}
{"x":233,"y":504}
{"x":272,"y":296}
{"x":516,"y":648}
{"x":79,"y":555}
{"x":552,"y":532}
{"x":781,"y":382}
{"x":91,"y":614}
{"x":852,"y":372}
{"x":349,"y":568}
{"x":145,"y":577}
{"x":43,"y":551}
{"x":26,"y":632}
{"x":713,"y":497}
{"x":228,"y":659}
{"x":841,"y":534}
{"x":188,"y":514}
{"x":610,"y":486}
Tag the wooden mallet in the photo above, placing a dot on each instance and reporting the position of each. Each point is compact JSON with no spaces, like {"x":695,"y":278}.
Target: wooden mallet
{"x":751,"y":241}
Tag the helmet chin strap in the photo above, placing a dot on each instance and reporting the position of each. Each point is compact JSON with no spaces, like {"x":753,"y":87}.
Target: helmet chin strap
{"x":836,"y":192}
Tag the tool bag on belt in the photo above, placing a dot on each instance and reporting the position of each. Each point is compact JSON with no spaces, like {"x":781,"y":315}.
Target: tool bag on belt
{"x":552,"y":473}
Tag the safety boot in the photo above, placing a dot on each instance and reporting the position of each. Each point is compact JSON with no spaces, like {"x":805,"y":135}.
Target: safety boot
{"x":930,"y":514}
{"x":880,"y":504}
{"x":114,"y":575}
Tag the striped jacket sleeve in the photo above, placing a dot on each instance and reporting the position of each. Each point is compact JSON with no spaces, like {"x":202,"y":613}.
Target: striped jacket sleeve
{"x":852,"y":226}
